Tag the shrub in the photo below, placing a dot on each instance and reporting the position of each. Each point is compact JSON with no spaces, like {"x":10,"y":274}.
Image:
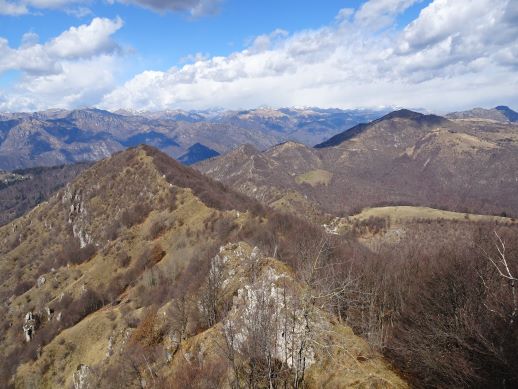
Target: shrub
{"x":123,"y":259}
{"x":135,"y":215}
{"x":156,"y":228}
{"x":147,"y":332}
{"x":73,"y":253}
{"x":22,"y":287}
{"x":200,"y":374}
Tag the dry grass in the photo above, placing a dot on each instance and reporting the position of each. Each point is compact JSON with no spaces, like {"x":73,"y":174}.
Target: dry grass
{"x":315,"y":178}
{"x":408,"y":213}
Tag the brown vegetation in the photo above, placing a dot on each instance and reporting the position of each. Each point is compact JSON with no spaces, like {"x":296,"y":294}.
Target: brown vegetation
{"x":440,"y":303}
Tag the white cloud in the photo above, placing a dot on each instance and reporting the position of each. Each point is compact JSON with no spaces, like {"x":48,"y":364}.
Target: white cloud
{"x":85,"y":41}
{"x":79,"y":12}
{"x":12,"y":8}
{"x":474,"y":28}
{"x":74,"y":68}
{"x":439,"y":61}
{"x":20,"y":7}
{"x":377,"y":14}
{"x":78,"y":84}
{"x":453,"y":37}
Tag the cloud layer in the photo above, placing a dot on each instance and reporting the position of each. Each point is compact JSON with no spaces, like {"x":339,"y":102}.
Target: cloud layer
{"x":455,"y":54}
{"x":74,"y":68}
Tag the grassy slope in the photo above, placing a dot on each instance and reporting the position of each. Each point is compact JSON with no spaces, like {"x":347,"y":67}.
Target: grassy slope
{"x":406,"y":213}
{"x":107,"y":188}
{"x":315,"y":177}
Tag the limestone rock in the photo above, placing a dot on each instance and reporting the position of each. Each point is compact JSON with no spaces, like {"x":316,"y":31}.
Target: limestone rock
{"x":29,"y":326}
{"x":41,"y":281}
{"x":82,"y":377}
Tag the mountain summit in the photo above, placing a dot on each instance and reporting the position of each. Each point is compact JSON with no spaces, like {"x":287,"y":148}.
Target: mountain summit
{"x":400,"y":118}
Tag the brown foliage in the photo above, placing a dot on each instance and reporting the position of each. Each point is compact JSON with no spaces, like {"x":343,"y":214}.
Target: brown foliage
{"x":123,"y":259}
{"x":156,"y":228}
{"x":148,"y":332}
{"x":199,"y":374}
{"x":135,"y":215}
{"x":436,"y":307}
{"x":73,"y":253}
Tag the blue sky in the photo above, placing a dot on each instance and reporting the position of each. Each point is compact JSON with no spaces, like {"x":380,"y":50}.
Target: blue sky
{"x":163,"y":39}
{"x":138,"y":54}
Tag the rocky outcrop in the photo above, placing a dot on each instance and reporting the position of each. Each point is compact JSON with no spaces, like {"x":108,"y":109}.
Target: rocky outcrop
{"x":82,"y":377}
{"x":273,"y":318}
{"x":29,"y":326}
{"x":40,"y":281}
{"x":49,"y":313}
{"x":77,"y":215}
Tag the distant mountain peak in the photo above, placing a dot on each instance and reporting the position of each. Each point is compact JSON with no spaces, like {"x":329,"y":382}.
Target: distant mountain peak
{"x":418,"y":118}
{"x":197,"y":153}
{"x":289,"y":144}
{"x":511,"y":115}
{"x":500,"y":113}
{"x":402,"y":114}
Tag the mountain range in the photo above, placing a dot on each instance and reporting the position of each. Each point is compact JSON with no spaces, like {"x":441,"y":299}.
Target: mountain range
{"x":56,"y":137}
{"x":500,"y":113}
{"x":403,"y":158}
{"x":371,"y":260}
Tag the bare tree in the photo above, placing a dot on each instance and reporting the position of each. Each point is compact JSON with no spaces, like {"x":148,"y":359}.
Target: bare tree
{"x":502,"y":266}
{"x":211,"y":293}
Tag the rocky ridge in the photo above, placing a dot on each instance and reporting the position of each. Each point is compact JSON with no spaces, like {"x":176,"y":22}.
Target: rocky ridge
{"x":135,"y":272}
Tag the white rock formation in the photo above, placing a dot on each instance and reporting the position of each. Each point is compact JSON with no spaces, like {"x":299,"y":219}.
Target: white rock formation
{"x":29,"y":326}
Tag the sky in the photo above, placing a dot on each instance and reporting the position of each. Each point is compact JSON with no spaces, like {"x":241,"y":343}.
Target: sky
{"x":438,"y":55}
